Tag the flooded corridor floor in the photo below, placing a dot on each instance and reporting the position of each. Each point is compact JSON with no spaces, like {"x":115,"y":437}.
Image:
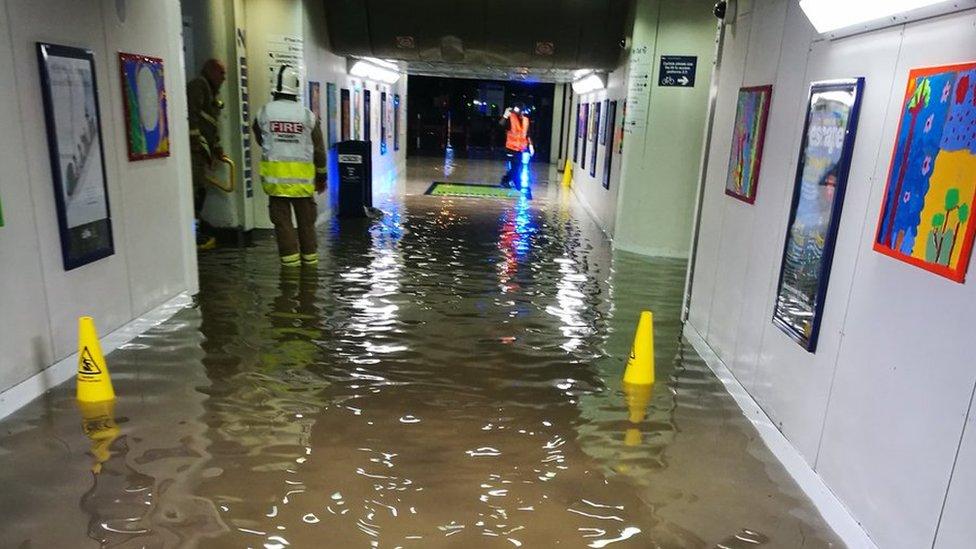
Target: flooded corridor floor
{"x":447,"y":377}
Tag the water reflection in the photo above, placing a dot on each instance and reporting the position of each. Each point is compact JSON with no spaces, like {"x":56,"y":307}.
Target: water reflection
{"x":448,"y":376}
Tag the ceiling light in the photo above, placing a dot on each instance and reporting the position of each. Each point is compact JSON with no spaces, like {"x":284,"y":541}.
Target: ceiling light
{"x":592,"y":81}
{"x":374,"y":69}
{"x":578,"y":74}
{"x":843,"y":17}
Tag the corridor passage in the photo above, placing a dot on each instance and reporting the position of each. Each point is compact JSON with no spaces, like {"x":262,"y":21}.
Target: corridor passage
{"x":448,"y":376}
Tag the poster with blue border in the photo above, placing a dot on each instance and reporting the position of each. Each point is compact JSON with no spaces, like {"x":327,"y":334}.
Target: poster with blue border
{"x":818,"y":199}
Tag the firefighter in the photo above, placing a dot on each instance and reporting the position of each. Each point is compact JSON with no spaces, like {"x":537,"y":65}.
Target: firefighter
{"x":292,"y":168}
{"x":204,"y":107}
{"x":516,"y":123}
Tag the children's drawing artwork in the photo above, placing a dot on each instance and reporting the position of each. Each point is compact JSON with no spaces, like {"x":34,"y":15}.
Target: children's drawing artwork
{"x":144,"y":99}
{"x":748,"y":135}
{"x":926,"y":217}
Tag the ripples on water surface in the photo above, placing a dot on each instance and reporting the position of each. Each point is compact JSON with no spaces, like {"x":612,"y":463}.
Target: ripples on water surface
{"x":447,"y":377}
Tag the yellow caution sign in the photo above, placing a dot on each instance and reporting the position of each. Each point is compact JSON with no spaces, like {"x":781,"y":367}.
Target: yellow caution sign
{"x":640,"y":367}
{"x":98,"y":423}
{"x":638,"y":399}
{"x":568,"y":174}
{"x":94,"y":383}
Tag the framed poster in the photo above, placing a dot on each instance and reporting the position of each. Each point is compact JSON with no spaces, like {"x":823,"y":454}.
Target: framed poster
{"x":144,"y":98}
{"x":367,"y":116}
{"x":583,"y":133}
{"x":330,"y":113}
{"x":388,"y":116}
{"x":579,"y":112}
{"x":357,"y":114}
{"x":926,"y":217}
{"x":594,"y":130}
{"x":818,"y":199}
{"x":748,"y":136}
{"x":604,"y":121}
{"x":608,"y":136}
{"x":315,"y":98}
{"x":74,"y":138}
{"x":396,"y":122}
{"x":382,"y":123}
{"x":344,"y":115}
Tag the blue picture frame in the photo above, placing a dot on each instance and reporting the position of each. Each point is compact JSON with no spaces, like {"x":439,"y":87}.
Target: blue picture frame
{"x":594,"y":135}
{"x":69,"y":92}
{"x":833,"y":109}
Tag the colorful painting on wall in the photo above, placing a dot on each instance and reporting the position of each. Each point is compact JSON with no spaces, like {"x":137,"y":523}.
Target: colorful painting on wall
{"x":315,"y":98}
{"x":144,"y":97}
{"x":818,"y":198}
{"x":926,"y":218}
{"x":357,"y":113}
{"x":748,"y":136}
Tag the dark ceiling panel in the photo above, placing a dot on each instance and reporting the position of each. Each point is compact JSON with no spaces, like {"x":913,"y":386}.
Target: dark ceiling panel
{"x":351,"y":25}
{"x":535,"y":34}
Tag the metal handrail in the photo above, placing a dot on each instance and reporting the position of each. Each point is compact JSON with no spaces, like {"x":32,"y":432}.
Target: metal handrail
{"x":232,"y":176}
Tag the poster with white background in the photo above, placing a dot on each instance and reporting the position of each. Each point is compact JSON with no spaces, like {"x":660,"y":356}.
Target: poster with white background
{"x":79,"y":140}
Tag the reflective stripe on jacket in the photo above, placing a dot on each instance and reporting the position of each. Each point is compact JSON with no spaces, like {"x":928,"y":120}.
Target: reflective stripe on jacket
{"x":517,"y":138}
{"x":288,"y":165}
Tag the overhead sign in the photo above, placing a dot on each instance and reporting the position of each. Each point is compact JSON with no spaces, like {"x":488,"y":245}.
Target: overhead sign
{"x":677,"y":71}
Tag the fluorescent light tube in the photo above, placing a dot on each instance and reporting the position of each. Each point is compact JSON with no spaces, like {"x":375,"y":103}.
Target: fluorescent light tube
{"x":374,"y":69}
{"x":831,"y":15}
{"x":591,"y":82}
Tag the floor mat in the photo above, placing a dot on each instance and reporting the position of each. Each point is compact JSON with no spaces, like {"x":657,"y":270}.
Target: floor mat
{"x":469,"y":190}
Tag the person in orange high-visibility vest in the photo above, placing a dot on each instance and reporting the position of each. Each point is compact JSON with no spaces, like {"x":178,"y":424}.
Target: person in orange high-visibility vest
{"x":517,"y":141}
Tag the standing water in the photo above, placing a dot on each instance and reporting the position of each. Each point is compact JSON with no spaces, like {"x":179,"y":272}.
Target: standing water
{"x":448,"y":376}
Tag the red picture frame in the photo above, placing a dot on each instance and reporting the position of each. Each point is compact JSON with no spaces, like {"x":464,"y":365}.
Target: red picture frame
{"x":739,"y":142}
{"x":144,"y":143}
{"x":925,"y":110}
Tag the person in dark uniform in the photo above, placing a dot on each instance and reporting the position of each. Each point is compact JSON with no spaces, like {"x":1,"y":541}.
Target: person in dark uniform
{"x":204,"y":106}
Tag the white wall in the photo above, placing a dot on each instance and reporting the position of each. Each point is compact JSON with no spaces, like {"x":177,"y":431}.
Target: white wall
{"x":599,"y":201}
{"x":324,"y":66}
{"x":649,"y":206}
{"x":879,"y":410}
{"x":150,"y":200}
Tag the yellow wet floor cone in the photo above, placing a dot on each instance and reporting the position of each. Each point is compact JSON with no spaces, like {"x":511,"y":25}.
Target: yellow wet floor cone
{"x":98,"y":423}
{"x":94,"y":383}
{"x":638,"y":398}
{"x":640,"y":367}
{"x":568,"y":174}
